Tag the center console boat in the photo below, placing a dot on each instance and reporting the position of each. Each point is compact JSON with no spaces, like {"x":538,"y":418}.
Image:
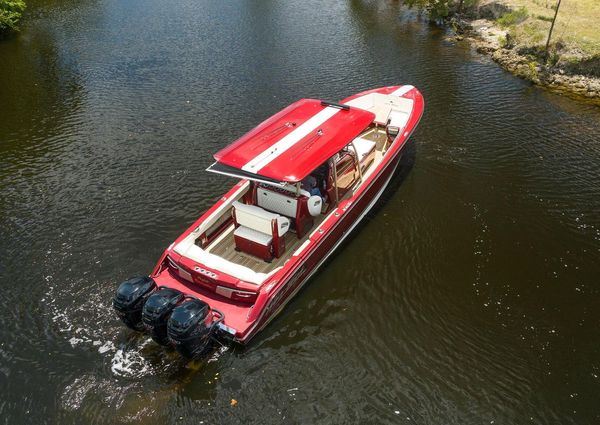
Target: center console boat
{"x":307,"y":176}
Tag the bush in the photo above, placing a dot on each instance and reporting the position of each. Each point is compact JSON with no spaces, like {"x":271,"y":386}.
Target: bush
{"x":553,"y":58}
{"x":513,"y":18}
{"x":589,"y":66}
{"x":508,"y":41}
{"x":533,"y":72}
{"x":10,"y":14}
{"x":439,"y":10}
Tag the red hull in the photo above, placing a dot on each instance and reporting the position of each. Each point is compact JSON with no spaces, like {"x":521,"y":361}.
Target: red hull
{"x":245,"y":318}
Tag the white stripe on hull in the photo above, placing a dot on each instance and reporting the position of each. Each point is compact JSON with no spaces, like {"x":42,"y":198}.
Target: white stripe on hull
{"x":312,"y":124}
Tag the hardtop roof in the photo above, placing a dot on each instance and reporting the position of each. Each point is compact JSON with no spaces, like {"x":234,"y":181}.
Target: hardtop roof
{"x":292,"y":143}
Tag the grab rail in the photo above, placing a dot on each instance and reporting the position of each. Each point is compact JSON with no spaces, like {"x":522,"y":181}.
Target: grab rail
{"x":335,"y":105}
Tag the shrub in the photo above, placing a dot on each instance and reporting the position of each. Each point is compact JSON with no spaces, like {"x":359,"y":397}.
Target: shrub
{"x":533,"y":72}
{"x":513,"y":18}
{"x":440,"y":9}
{"x":553,"y":58}
{"x":507,"y":41}
{"x":10,"y":14}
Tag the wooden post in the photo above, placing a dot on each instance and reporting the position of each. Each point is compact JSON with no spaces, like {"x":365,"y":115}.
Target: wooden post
{"x":551,"y":28}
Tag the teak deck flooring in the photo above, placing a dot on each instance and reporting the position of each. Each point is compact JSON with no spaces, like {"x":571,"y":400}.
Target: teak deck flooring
{"x":225,"y":247}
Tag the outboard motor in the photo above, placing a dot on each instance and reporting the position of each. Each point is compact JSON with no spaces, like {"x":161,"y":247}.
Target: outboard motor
{"x":157,"y":310}
{"x":129,"y":300}
{"x":191,"y":325}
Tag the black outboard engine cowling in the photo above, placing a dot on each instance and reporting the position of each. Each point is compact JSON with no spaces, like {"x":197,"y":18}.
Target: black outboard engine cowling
{"x":156,"y":313}
{"x":191,"y":325}
{"x":129,"y":300}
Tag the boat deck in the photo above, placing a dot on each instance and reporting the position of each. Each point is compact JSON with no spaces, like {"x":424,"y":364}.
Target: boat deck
{"x":224,"y":245}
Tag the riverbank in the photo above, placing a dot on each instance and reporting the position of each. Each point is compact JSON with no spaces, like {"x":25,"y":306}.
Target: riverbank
{"x":515,"y":38}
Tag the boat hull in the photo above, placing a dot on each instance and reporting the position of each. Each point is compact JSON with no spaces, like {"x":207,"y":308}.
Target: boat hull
{"x":243,"y":320}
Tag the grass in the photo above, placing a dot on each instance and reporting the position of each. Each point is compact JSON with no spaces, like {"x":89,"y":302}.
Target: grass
{"x":577,"y":24}
{"x":512,"y":18}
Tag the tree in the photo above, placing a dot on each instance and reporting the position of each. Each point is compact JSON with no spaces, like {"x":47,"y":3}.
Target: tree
{"x":437,"y":9}
{"x":551,"y":28}
{"x":440,"y":9}
{"x":10,"y":14}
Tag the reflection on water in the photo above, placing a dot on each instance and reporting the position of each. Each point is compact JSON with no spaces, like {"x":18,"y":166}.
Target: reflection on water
{"x":468,"y":296}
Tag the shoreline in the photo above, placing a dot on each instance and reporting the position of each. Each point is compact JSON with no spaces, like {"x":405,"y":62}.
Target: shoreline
{"x":485,"y":37}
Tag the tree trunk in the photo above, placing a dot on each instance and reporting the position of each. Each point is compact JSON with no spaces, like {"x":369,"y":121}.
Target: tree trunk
{"x":551,"y":29}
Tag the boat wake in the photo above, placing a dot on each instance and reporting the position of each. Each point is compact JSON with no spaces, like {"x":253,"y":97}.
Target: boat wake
{"x":89,"y":385}
{"x":87,"y":322}
{"x":128,"y":362}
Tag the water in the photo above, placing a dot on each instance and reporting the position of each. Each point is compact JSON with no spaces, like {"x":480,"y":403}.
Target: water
{"x":470,"y":296}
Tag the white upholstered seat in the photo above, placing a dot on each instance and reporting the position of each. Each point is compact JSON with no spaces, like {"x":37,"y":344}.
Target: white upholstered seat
{"x":253,"y":235}
{"x":277,"y":202}
{"x":258,"y":219}
{"x":397,"y":119}
{"x":382,"y":105}
{"x":259,"y":232}
{"x":363,"y":147}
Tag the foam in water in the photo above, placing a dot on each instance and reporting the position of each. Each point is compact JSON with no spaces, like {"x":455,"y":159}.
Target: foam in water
{"x":75,"y":392}
{"x":126,"y":362}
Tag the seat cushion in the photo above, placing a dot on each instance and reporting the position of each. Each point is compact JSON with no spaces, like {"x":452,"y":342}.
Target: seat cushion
{"x":254,"y":217}
{"x":253,"y":235}
{"x":259,"y":219}
{"x":398,"y":119}
{"x":277,"y":202}
{"x":381,"y":105}
{"x":363,"y":147}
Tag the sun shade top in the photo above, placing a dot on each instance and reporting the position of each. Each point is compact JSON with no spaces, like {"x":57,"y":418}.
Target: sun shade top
{"x":289,"y":145}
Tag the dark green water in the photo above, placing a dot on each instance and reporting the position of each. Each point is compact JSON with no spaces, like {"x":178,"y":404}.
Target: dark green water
{"x":471,"y":296}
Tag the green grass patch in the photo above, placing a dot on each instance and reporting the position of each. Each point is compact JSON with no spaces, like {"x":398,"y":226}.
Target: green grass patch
{"x":532,"y":34}
{"x":513,"y":18}
{"x":576,"y":24}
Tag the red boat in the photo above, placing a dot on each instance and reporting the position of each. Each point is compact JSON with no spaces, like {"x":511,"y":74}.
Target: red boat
{"x":308,"y":174}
